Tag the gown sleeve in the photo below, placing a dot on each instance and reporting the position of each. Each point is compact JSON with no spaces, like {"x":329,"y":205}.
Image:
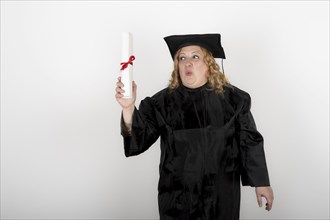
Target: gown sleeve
{"x":253,"y":162}
{"x":145,"y":129}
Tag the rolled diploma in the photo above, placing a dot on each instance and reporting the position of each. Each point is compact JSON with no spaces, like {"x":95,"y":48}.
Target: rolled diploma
{"x":127,"y":74}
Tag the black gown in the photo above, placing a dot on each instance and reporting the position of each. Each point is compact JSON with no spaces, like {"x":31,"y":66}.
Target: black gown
{"x":209,"y":143}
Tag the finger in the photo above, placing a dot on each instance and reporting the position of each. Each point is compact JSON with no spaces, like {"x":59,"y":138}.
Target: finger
{"x":119,"y":84}
{"x":134,"y":86}
{"x":268,"y":207}
{"x":119,"y":90}
{"x":269,"y":204}
{"x":259,"y":199}
{"x":119,"y":95}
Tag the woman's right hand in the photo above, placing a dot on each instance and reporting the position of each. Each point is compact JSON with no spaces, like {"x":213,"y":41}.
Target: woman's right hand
{"x":124,"y":102}
{"x":128,"y":105}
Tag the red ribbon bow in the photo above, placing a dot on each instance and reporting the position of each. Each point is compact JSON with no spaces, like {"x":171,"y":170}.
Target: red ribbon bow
{"x":125,"y":64}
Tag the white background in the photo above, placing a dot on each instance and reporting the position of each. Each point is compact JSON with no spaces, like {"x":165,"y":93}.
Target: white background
{"x":61,"y":151}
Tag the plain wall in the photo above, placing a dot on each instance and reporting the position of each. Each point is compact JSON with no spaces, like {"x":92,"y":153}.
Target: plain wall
{"x":61,"y":151}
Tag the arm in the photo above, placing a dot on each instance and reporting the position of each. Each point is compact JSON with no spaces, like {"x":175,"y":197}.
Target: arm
{"x":253,"y":161}
{"x":139,"y":128}
{"x":254,"y":167}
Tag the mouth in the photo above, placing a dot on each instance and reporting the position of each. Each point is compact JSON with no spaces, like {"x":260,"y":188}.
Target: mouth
{"x":188,"y":73}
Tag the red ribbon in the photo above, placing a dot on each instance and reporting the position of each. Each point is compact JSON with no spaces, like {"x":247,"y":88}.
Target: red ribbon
{"x":125,"y":64}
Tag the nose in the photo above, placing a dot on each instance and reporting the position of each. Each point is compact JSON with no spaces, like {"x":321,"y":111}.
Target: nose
{"x":188,"y":62}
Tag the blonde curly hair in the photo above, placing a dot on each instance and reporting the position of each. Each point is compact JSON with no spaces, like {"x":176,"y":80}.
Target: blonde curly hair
{"x":216,"y":79}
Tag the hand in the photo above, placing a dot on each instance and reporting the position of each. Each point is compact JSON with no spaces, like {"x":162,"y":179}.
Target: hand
{"x":267,"y":192}
{"x":128,"y":105}
{"x":125,"y":103}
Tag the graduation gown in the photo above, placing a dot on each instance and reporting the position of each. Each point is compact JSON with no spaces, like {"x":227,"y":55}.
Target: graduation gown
{"x":209,"y":145}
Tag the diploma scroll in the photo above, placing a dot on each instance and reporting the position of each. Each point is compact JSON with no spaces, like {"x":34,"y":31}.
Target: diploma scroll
{"x":127,"y":64}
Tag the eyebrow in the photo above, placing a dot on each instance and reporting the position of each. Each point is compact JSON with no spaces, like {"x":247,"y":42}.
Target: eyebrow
{"x":196,"y":51}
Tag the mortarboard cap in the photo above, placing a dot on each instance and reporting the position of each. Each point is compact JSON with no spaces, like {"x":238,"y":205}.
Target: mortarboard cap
{"x":211,"y":42}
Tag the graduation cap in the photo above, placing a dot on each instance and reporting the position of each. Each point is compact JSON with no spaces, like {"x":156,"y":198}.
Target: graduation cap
{"x":211,"y":42}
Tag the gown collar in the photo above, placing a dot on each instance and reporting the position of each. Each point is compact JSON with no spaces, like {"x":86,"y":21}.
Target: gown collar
{"x":198,"y":89}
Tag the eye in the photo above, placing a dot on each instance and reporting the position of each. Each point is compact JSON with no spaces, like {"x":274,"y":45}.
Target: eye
{"x":182,"y":58}
{"x":195,"y":57}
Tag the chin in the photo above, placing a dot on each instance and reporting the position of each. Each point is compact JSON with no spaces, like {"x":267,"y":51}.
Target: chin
{"x":189,"y":84}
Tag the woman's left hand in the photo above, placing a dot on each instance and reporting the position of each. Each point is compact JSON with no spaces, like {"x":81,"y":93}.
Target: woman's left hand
{"x":267,"y":192}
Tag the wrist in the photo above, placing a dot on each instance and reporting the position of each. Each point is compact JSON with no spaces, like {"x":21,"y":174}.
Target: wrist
{"x":129,"y":109}
{"x":128,"y":116}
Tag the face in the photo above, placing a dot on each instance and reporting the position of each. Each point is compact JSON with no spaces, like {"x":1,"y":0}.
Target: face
{"x":192,"y":68}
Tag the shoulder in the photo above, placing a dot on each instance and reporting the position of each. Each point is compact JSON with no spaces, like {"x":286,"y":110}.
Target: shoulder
{"x":237,"y":96}
{"x":156,"y":99}
{"x":161,"y":94}
{"x":236,"y":92}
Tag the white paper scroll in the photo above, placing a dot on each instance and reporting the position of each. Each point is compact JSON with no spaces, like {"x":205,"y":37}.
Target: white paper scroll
{"x":127,"y":73}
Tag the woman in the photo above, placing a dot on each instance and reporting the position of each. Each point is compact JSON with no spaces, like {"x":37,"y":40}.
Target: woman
{"x":209,"y":140}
